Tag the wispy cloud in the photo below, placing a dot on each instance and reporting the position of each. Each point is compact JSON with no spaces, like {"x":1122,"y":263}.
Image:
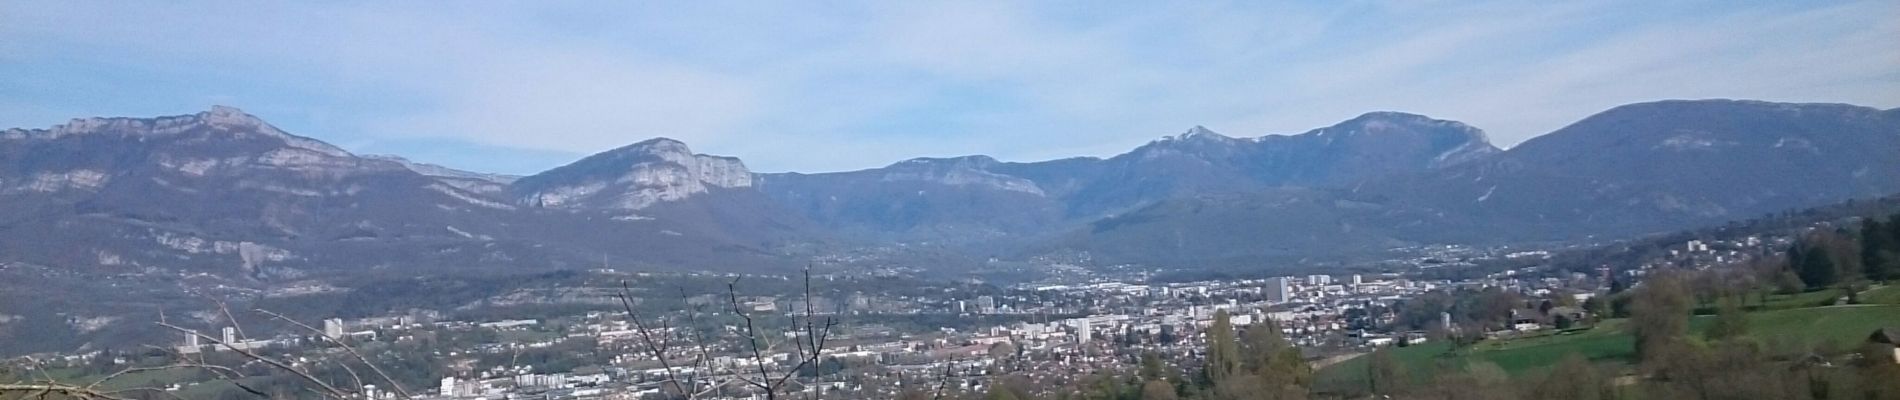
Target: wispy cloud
{"x":791,"y":86}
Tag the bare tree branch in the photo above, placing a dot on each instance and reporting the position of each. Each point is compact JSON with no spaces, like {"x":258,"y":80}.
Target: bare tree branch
{"x":752,"y":341}
{"x":332,"y":391}
{"x":41,"y":390}
{"x":944,"y":380}
{"x":402,"y":393}
{"x":657,"y":348}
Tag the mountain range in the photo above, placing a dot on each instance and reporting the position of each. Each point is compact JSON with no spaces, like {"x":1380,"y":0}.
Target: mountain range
{"x":224,"y":192}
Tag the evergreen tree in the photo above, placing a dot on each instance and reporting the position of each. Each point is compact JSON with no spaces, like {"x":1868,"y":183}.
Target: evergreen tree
{"x":1893,"y":229}
{"x":1223,"y":353}
{"x":1817,"y":269}
{"x":1797,"y":257}
{"x":1879,"y":250}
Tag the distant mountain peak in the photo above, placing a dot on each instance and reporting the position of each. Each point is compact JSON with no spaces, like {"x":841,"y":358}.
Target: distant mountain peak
{"x":658,"y":145}
{"x":1390,"y":115}
{"x":958,"y":171}
{"x":1197,"y":133}
{"x":1456,"y":141}
{"x":216,"y":124}
{"x":233,"y":118}
{"x":974,"y":161}
{"x":633,"y":177}
{"x":221,"y":110}
{"x":658,"y":142}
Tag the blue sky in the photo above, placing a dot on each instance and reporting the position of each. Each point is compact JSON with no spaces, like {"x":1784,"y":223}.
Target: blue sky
{"x":518,"y":87}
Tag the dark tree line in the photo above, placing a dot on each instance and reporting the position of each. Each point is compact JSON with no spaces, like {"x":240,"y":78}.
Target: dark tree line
{"x":1826,"y":259}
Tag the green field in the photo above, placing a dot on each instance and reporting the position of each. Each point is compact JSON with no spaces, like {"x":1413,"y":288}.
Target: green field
{"x":1609,"y":343}
{"x":1889,"y":294}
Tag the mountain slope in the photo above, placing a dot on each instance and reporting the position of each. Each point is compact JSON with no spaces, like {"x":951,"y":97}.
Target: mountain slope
{"x":223,"y":191}
{"x":1253,"y":229}
{"x":928,"y":199}
{"x":662,"y":179}
{"x":633,"y":177}
{"x":478,"y":182}
{"x":1672,"y":164}
{"x":979,"y":198}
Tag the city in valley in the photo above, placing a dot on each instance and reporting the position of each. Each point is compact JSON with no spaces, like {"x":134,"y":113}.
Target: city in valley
{"x":608,"y":333}
{"x":933,"y":200}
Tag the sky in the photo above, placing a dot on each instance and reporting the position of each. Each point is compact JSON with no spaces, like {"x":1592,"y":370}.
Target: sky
{"x":815,"y":86}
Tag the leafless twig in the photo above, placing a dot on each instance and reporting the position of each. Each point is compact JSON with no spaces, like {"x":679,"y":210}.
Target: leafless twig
{"x":402,"y":393}
{"x":943,"y":380}
{"x":657,"y":348}
{"x":328,"y":390}
{"x":810,"y":343}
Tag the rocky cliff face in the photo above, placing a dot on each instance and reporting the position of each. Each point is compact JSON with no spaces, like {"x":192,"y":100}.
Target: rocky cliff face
{"x":224,"y":146}
{"x":223,"y":191}
{"x":632,"y":178}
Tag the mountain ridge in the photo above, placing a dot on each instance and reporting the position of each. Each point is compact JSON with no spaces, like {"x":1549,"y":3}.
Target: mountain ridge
{"x":1379,"y":179}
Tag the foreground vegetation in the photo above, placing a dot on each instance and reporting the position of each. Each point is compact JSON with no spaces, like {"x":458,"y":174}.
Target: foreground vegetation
{"x":1610,"y":345}
{"x":1804,"y":326}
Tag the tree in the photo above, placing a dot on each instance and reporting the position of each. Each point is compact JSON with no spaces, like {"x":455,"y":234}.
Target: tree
{"x":1572,"y":379}
{"x":1659,"y":315}
{"x":1274,"y":368}
{"x":1108,"y":387}
{"x":1787,"y":282}
{"x":1151,"y":367}
{"x":1249,"y":387}
{"x":1597,"y":306}
{"x":1158,"y":390}
{"x":1489,"y":307}
{"x":1384,"y":375}
{"x":1271,"y":356}
{"x":1223,"y":354}
{"x":1817,"y":269}
{"x":1730,"y":321}
{"x":808,"y":335}
{"x":1562,"y":321}
{"x":1879,"y":249}
{"x":1001,"y":351}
